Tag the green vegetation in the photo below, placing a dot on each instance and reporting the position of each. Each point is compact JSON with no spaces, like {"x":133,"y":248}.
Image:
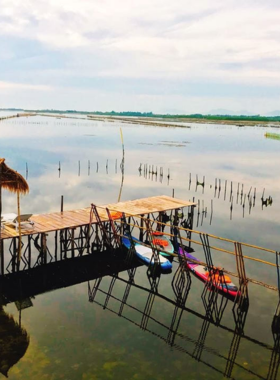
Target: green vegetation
{"x":275,"y":136}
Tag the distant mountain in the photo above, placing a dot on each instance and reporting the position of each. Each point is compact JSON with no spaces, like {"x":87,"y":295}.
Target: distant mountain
{"x":222,"y":111}
{"x":11,"y":109}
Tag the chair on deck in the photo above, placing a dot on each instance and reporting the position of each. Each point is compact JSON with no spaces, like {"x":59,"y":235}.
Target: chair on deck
{"x":24,"y":221}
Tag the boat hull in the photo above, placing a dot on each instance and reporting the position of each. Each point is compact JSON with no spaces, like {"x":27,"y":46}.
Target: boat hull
{"x":161,"y":241}
{"x":145,"y":254}
{"x":227,"y":288}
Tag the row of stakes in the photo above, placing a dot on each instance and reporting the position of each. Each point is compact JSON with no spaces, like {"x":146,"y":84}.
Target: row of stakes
{"x":149,"y":172}
{"x":202,"y":210}
{"x":89,"y":166}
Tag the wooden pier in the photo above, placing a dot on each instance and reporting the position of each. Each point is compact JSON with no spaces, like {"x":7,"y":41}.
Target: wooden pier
{"x":57,"y":221}
{"x":62,"y":235}
{"x":98,"y":230}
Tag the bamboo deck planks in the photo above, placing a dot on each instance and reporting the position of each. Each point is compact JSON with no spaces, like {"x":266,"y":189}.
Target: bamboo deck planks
{"x":56,"y":221}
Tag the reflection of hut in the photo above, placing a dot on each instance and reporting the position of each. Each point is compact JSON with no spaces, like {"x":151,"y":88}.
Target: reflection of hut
{"x":14,"y":342}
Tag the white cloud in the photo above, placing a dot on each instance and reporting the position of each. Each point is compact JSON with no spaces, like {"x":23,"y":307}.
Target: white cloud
{"x":22,"y":86}
{"x":219,"y":42}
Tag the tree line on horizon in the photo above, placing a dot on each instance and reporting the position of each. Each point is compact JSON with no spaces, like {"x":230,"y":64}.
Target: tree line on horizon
{"x":152,"y":115}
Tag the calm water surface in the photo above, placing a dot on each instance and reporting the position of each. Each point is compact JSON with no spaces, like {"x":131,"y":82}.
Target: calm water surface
{"x":72,"y":338}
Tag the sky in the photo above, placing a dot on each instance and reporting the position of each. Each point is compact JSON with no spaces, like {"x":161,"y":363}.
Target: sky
{"x":180,"y":56}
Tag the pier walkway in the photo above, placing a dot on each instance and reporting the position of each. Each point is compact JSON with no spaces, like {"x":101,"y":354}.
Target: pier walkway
{"x":57,"y":221}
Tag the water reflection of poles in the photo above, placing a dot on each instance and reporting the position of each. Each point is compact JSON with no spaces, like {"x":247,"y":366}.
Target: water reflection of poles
{"x":240,"y":319}
{"x":275,"y":328}
{"x":216,"y":276}
{"x":219,"y":188}
{"x":153,"y":274}
{"x":237,"y":193}
{"x":211,"y":216}
{"x":200,"y":183}
{"x":131,"y":275}
{"x":231,"y":208}
{"x":200,"y":343}
{"x":154,"y":281}
{"x":181,"y":284}
{"x":225,"y":192}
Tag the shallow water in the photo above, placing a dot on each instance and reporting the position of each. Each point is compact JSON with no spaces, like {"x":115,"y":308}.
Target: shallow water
{"x":72,"y":338}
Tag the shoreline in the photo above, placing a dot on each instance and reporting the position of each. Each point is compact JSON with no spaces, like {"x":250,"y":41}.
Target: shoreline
{"x":153,"y":121}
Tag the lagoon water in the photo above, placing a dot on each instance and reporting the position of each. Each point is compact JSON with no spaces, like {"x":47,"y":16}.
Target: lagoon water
{"x":72,"y":338}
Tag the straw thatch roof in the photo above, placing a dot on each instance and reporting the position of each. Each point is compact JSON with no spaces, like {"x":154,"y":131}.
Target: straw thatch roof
{"x":14,"y":342}
{"x":11,"y":180}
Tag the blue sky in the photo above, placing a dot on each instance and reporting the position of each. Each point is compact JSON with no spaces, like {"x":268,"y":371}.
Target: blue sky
{"x":147,"y":55}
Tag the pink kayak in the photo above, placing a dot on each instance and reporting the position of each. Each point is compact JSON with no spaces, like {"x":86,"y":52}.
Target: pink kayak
{"x":222,"y":282}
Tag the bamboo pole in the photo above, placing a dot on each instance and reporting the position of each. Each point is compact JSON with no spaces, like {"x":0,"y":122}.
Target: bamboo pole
{"x":1,"y":246}
{"x":122,"y":167}
{"x":19,"y":228}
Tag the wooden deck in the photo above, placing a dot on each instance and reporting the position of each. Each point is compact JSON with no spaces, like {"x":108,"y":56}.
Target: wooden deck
{"x":56,"y":221}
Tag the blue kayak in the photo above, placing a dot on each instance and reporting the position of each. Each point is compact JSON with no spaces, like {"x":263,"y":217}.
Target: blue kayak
{"x":145,"y":254}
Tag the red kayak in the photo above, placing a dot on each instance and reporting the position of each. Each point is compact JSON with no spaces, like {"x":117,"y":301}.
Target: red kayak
{"x":222,"y":282}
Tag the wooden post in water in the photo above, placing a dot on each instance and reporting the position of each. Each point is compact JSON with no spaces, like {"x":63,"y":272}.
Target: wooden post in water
{"x":215,"y":188}
{"x":19,"y":230}
{"x":44,"y":247}
{"x":244,"y":204}
{"x":231,"y":208}
{"x":198,"y":212}
{"x":211,"y":216}
{"x":219,"y":188}
{"x":237,"y":193}
{"x":61,"y":204}
{"x":249,"y":192}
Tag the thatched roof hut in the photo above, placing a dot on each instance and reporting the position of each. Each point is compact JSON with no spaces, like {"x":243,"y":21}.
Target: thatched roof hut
{"x":11,"y":180}
{"x":14,"y":342}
